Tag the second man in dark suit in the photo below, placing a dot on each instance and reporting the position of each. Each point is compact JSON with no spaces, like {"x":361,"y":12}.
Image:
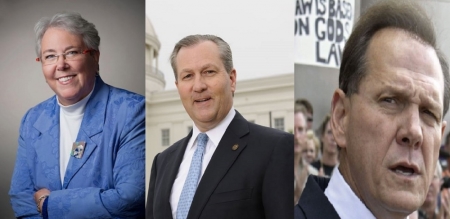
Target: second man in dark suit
{"x":226,"y":167}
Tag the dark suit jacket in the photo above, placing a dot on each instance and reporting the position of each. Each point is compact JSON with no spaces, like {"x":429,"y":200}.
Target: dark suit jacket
{"x":254,"y":181}
{"x":313,"y":203}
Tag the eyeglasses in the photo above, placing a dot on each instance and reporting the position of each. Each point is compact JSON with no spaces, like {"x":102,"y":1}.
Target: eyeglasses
{"x":72,"y":55}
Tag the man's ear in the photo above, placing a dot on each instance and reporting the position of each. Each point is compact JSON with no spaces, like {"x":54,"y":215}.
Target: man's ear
{"x":339,"y":114}
{"x":233,"y":79}
{"x":232,"y":76}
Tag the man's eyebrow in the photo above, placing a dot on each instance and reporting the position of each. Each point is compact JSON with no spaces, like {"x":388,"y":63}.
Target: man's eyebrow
{"x":208,"y":65}
{"x":186,"y":70}
{"x":401,"y":92}
{"x":202,"y":68}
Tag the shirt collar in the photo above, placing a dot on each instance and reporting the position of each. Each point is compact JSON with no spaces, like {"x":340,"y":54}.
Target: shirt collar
{"x":76,"y":108}
{"x":215,"y":134}
{"x":341,"y":196}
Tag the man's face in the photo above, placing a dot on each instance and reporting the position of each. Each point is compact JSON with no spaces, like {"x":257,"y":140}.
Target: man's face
{"x":391,"y":129}
{"x":329,"y":145}
{"x":299,"y":131}
{"x":70,"y":80}
{"x":205,"y":88}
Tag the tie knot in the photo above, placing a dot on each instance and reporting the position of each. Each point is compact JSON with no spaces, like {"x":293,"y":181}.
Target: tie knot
{"x":202,"y":139}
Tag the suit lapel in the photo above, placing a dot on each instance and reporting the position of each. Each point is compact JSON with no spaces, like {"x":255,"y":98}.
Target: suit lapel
{"x":221,"y":161}
{"x":170,"y":175}
{"x":91,"y":126}
{"x":47,"y":145}
{"x":314,"y":195}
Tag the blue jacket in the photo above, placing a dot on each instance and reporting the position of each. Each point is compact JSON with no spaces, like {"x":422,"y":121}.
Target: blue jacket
{"x":108,"y":181}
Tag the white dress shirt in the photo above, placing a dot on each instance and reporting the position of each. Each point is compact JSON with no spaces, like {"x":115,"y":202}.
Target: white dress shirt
{"x":344,"y":200}
{"x":70,"y":118}
{"x":214,"y":137}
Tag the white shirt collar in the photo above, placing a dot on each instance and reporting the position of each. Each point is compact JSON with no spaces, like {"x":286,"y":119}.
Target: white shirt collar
{"x":215,"y":134}
{"x":76,"y":108}
{"x":344,"y":200}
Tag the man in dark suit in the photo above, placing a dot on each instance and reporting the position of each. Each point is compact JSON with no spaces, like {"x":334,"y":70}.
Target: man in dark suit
{"x":226,"y":167}
{"x":387,"y":118}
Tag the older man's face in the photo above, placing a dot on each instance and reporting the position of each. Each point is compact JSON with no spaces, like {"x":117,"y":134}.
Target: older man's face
{"x":205,"y":87}
{"x":391,"y":130}
{"x":70,"y":80}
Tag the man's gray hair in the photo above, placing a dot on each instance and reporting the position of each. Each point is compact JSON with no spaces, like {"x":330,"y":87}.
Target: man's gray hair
{"x":71,"y":22}
{"x":224,"y":49}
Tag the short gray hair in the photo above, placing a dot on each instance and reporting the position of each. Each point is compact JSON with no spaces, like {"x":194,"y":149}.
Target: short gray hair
{"x":191,"y":40}
{"x":71,"y":22}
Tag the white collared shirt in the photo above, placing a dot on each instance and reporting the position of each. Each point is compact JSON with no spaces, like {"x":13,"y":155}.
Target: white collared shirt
{"x":214,"y":137}
{"x":344,"y":200}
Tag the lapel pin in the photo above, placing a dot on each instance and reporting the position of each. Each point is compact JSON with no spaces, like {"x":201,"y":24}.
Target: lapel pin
{"x":78,"y":149}
{"x":235,"y":147}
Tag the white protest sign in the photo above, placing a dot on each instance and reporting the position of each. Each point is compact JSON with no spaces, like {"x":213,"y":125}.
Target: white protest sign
{"x":321,"y":29}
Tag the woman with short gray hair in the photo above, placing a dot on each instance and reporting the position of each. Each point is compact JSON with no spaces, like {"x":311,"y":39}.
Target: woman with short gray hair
{"x":81,"y":153}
